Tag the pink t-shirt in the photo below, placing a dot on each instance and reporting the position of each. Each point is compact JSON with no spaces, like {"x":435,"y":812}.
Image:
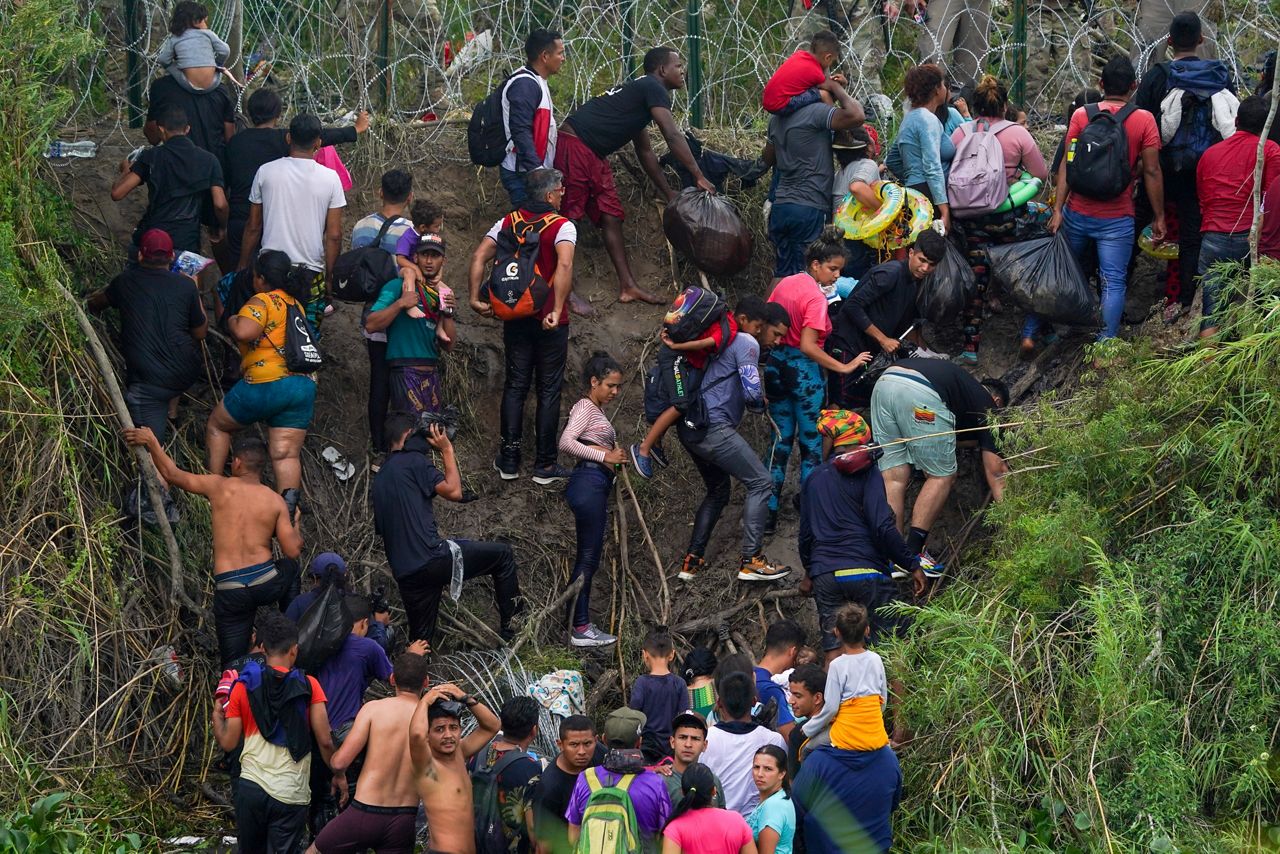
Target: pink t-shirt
{"x":805,"y":302}
{"x":1142,"y":132}
{"x":1018,"y":147}
{"x":709,"y":831}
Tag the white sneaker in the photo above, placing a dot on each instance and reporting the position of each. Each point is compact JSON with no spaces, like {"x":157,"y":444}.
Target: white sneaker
{"x":591,"y":636}
{"x":926,"y":353}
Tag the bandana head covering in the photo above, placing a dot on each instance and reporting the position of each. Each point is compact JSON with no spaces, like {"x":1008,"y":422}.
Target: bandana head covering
{"x":843,"y":427}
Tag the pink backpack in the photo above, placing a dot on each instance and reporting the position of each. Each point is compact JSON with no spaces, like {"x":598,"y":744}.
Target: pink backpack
{"x":976,"y":184}
{"x":328,"y":156}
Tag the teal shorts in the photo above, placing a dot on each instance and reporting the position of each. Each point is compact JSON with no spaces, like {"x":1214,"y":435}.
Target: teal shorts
{"x":286,"y":402}
{"x":905,"y":406}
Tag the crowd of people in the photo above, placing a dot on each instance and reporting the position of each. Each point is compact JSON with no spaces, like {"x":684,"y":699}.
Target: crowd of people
{"x":787,"y":753}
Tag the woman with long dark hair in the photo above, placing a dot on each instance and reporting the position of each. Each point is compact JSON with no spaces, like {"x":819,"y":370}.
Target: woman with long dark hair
{"x":590,"y":438}
{"x":773,"y":822}
{"x":921,"y":154}
{"x":267,"y":390}
{"x":697,"y":826}
{"x":1021,"y":154}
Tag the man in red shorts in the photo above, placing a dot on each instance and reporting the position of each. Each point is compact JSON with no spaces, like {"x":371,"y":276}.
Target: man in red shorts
{"x":605,"y":124}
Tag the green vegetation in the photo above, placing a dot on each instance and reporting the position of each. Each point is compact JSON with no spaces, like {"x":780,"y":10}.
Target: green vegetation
{"x":1111,"y":680}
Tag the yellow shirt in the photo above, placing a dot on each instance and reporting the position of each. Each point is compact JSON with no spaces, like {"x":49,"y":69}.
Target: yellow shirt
{"x":262,"y":361}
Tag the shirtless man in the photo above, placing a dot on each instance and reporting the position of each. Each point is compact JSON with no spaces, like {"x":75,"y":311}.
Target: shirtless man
{"x":383,"y":812}
{"x":439,"y":764}
{"x":246,"y":516}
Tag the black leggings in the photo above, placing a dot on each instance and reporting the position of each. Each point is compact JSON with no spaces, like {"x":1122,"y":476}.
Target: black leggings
{"x":535,"y":360}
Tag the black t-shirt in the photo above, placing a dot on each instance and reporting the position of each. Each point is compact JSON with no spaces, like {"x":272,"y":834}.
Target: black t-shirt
{"x":158,"y":310}
{"x":609,"y":121}
{"x":402,"y":513}
{"x":885,"y":297}
{"x":178,"y":177}
{"x":252,"y":147}
{"x":968,"y":400}
{"x":208,"y":112}
{"x":550,"y":800}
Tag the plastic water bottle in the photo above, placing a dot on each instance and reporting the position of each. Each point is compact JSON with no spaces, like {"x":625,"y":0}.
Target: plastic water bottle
{"x":79,"y":148}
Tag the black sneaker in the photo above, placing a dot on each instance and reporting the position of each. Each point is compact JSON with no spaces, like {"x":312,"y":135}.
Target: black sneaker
{"x":659,"y":456}
{"x":547,"y":475}
{"x":507,"y":466}
{"x":771,"y":524}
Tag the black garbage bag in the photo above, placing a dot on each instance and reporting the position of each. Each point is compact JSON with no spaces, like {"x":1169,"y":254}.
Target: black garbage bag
{"x":323,"y":628}
{"x":708,"y":231}
{"x":1045,"y":278}
{"x":715,"y":166}
{"x":945,"y":292}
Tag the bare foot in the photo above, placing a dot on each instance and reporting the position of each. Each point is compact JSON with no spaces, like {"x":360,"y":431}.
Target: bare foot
{"x":580,"y":307}
{"x":639,"y":295}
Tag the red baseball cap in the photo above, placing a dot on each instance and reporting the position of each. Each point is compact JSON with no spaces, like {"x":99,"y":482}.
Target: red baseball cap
{"x":155,"y":244}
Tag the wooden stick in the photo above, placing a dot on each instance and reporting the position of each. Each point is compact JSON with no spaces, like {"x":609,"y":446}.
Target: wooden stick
{"x":531,"y":624}
{"x":177,"y":576}
{"x":653,"y":549}
{"x":1255,"y":231}
{"x":712,"y":621}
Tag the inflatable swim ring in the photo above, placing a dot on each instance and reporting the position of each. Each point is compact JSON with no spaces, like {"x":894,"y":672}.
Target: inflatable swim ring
{"x":1021,"y":192}
{"x":857,"y":225}
{"x":916,"y":216}
{"x":1159,"y":251}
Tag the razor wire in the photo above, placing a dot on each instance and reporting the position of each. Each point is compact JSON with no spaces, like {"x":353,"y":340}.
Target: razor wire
{"x":422,"y":64}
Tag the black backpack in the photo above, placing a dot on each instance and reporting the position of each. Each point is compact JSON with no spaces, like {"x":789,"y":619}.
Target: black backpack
{"x":358,"y":274}
{"x":491,"y":831}
{"x":1098,"y":165}
{"x":516,"y":289}
{"x":301,"y":355}
{"x":486,"y":133}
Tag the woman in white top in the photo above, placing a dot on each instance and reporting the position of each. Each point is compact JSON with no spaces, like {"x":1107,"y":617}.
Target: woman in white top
{"x":590,"y":438}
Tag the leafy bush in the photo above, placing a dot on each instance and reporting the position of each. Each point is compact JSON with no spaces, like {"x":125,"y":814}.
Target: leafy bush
{"x":1119,"y":689}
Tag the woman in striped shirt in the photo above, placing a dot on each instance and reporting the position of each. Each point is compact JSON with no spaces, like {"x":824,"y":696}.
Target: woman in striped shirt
{"x":590,"y":437}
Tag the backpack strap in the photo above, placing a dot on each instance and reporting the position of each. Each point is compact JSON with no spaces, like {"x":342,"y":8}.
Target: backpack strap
{"x":624,"y":783}
{"x":382,"y":232}
{"x":593,"y":779}
{"x":1124,"y":112}
{"x":1091,"y":111}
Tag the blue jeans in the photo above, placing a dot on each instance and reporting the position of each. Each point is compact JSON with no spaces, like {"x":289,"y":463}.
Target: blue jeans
{"x":588,"y":497}
{"x":792,"y":228}
{"x":793,"y":383}
{"x":513,"y":183}
{"x":1114,"y":241}
{"x":1216,"y":247}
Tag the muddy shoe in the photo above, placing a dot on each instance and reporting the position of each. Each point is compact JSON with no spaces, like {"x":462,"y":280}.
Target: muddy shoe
{"x":691,"y":567}
{"x":759,"y":568}
{"x":591,"y":637}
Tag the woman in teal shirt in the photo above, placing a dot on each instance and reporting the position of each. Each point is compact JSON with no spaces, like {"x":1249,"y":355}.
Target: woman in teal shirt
{"x":921,"y":155}
{"x":773,"y":822}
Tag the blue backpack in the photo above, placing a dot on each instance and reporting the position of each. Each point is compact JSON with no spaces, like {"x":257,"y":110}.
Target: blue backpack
{"x":1191,"y":86}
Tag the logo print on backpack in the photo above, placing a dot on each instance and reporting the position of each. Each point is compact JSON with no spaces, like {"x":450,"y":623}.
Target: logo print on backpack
{"x":516,"y":287}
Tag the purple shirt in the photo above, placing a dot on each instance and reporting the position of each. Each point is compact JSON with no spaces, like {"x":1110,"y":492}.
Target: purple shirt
{"x":345,"y":677}
{"x":648,"y":797}
{"x":408,"y":240}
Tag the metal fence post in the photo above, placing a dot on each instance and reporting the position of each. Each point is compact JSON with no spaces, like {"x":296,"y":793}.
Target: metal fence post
{"x":1020,"y":53}
{"x":693,"y":30}
{"x":628,"y":10}
{"x":133,"y":66}
{"x":384,"y":51}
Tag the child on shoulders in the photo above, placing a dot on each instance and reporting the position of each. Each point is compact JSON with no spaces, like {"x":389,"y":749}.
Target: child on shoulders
{"x":856,"y":690}
{"x":192,"y":54}
{"x":795,"y":83}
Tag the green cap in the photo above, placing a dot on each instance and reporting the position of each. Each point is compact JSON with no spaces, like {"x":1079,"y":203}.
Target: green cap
{"x":622,"y":727}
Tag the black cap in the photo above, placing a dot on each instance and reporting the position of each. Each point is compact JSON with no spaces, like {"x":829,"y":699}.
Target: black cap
{"x":689,"y":718}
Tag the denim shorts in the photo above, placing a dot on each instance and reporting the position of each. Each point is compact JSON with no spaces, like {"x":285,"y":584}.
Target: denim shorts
{"x":286,"y":402}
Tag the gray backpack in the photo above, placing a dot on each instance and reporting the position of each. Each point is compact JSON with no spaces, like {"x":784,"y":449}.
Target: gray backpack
{"x":977,"y":185}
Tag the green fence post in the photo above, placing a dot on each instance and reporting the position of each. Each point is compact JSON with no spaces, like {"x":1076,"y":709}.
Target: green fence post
{"x":384,"y":51}
{"x":133,"y":68}
{"x":628,"y":9}
{"x":693,"y":28}
{"x":1020,"y":53}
